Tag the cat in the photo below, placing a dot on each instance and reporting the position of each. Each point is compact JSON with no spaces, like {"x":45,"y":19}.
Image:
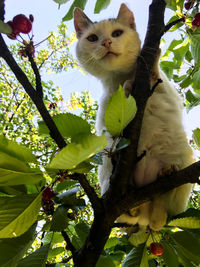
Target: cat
{"x":109,"y":50}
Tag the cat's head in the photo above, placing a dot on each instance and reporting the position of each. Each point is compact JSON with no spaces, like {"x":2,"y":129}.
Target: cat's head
{"x":109,"y":45}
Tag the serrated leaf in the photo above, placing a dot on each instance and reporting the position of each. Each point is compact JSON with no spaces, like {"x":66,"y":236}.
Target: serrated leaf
{"x":59,"y":220}
{"x":18,"y":214}
{"x":101,"y":4}
{"x":136,"y":257}
{"x":13,"y":149}
{"x":13,"y":249}
{"x":75,"y":153}
{"x":196,"y":137}
{"x":120,"y":110}
{"x":187,"y":222}
{"x":36,"y":259}
{"x":188,"y":244}
{"x":138,"y":238}
{"x":5,"y":28}
{"x":77,"y":3}
{"x":169,"y":256}
{"x":68,"y":125}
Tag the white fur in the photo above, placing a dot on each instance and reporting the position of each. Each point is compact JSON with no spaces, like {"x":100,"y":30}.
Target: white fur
{"x":162,"y":135}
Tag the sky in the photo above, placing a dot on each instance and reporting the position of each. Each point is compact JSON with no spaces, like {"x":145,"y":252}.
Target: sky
{"x":46,"y":18}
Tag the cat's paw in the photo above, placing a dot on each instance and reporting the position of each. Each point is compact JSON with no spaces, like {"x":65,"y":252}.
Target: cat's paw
{"x":127,"y":86}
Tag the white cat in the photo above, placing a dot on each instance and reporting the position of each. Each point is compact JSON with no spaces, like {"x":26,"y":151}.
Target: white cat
{"x":108,"y":50}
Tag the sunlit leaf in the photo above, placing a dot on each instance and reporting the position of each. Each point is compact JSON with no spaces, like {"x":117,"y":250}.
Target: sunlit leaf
{"x":77,"y":3}
{"x":101,"y":4}
{"x":18,"y":214}
{"x":105,"y":260}
{"x":13,"y":249}
{"x":68,"y":124}
{"x":138,"y":238}
{"x":111,"y":242}
{"x":196,"y":137}
{"x":120,"y":110}
{"x":35,"y":259}
{"x":75,"y":153}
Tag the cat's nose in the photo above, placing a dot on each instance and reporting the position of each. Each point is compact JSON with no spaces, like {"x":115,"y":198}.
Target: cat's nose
{"x":106,"y":43}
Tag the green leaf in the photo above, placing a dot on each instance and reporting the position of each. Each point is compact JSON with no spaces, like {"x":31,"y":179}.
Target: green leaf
{"x":101,"y":4}
{"x":5,"y":28}
{"x":54,"y":252}
{"x":170,"y":256}
{"x":65,"y":185}
{"x":69,"y":199}
{"x":136,"y":257}
{"x":83,"y":167}
{"x":193,"y":99}
{"x":36,"y":259}
{"x":53,"y":238}
{"x":123,"y":143}
{"x":196,"y":137}
{"x":189,"y":245}
{"x":195,"y":49}
{"x":13,"y":249}
{"x":77,"y":3}
{"x":105,"y":261}
{"x":196,"y":80}
{"x":13,"y":149}
{"x":18,"y":214}
{"x":187,"y":222}
{"x":60,"y":219}
{"x":138,"y":238}
{"x":82,"y":229}
{"x":68,"y":124}
{"x":186,"y":82}
{"x":120,"y":110}
{"x":73,"y":154}
{"x":111,"y":242}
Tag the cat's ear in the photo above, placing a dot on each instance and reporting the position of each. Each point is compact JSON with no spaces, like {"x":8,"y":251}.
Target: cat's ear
{"x":126,"y":16}
{"x":81,"y":21}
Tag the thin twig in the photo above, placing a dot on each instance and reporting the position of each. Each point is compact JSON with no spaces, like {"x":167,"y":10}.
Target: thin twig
{"x":69,"y":244}
{"x":89,"y":190}
{"x":39,"y":88}
{"x":173,"y":23}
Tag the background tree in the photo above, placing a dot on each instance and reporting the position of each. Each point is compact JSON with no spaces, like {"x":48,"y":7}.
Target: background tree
{"x":51,"y":213}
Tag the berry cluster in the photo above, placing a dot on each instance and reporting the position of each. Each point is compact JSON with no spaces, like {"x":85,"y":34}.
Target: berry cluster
{"x":196,"y":19}
{"x":20,"y":24}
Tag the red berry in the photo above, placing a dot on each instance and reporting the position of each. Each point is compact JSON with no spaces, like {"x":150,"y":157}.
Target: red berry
{"x":48,"y":193}
{"x":22,"y":23}
{"x":156,"y":248}
{"x":196,"y":20}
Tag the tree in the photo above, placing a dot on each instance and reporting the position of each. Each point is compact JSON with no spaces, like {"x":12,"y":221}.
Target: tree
{"x":59,"y":157}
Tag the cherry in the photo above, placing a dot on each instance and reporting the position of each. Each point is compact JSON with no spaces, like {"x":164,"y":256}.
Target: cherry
{"x":196,"y":21}
{"x":156,"y":248}
{"x":22,"y":23}
{"x":48,"y":193}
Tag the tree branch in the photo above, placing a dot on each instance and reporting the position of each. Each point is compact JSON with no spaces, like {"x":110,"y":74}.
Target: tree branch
{"x":36,"y":98}
{"x":89,"y":190}
{"x":173,"y":23}
{"x":68,"y":242}
{"x":2,"y":9}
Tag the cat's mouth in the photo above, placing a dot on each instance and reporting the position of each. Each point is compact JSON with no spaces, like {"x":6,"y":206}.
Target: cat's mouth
{"x":110,"y":53}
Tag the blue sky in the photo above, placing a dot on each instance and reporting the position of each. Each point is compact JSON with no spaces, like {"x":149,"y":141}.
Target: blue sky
{"x":46,"y":18}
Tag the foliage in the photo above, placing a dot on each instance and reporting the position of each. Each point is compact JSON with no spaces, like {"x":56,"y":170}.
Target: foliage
{"x":36,"y":230}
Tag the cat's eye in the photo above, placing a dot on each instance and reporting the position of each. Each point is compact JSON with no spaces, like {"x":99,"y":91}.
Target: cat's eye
{"x":92,"y":38}
{"x":117,"y":33}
